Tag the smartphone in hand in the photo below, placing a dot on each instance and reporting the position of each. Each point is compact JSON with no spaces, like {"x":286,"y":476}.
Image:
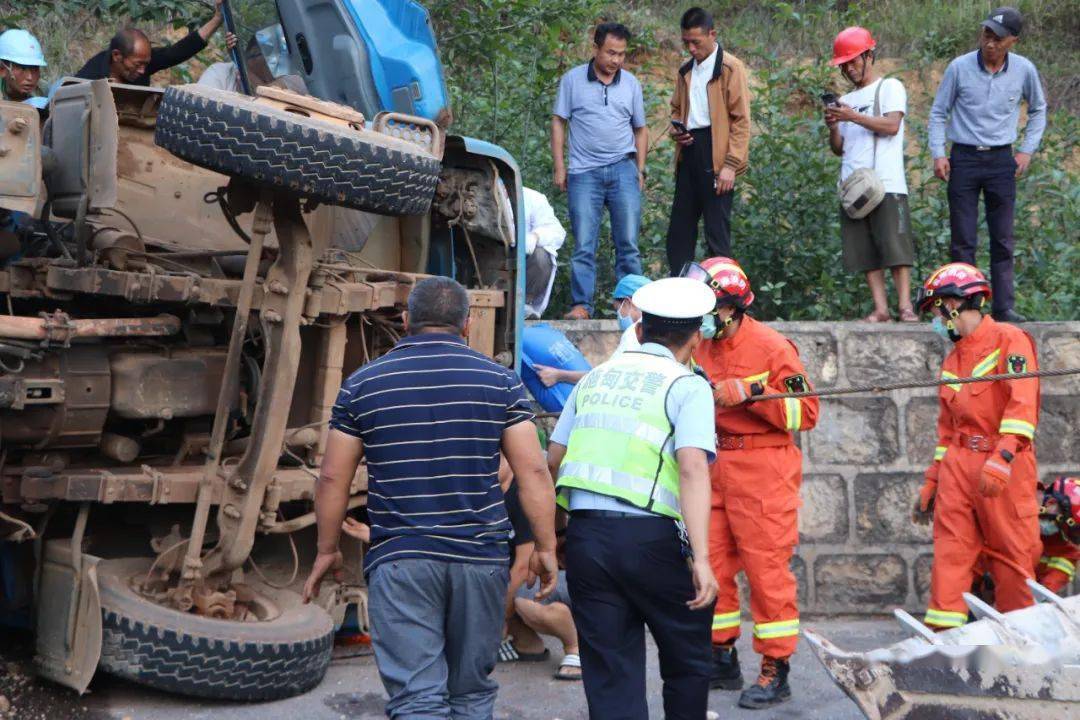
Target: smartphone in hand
{"x":829,"y":99}
{"x":680,"y":127}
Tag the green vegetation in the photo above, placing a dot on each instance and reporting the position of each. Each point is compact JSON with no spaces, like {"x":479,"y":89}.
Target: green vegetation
{"x":504,"y":57}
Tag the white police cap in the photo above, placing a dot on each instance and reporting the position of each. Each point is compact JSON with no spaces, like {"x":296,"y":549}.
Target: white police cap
{"x":676,"y":300}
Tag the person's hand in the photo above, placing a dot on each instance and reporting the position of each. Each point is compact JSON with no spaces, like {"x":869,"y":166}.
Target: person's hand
{"x":217,"y":8}
{"x":995,"y":475}
{"x":1022,"y":161}
{"x":941,"y":168}
{"x":324,"y":563}
{"x":560,"y":178}
{"x":543,"y":565}
{"x":923,"y":512}
{"x":729,"y":393}
{"x":830,"y":118}
{"x":641,"y":180}
{"x":705,"y":586}
{"x":354,"y":528}
{"x":548,"y":375}
{"x":683,"y":138}
{"x":725,"y":181}
{"x":230,"y":40}
{"x":840,"y":113}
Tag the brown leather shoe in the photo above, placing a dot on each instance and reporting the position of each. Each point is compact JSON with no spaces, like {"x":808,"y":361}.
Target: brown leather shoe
{"x":578,"y":312}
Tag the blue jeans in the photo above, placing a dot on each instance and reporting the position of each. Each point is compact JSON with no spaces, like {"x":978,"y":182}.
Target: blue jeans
{"x":435,"y":629}
{"x":616,"y":187}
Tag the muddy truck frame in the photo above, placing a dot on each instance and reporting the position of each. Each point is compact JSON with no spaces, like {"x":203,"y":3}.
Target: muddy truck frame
{"x":195,"y":273}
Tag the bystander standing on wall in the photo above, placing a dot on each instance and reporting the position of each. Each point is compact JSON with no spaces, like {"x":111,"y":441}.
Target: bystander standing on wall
{"x":977,"y":109}
{"x":866,"y":129}
{"x":710,"y":113}
{"x":604,"y":108}
{"x":544,"y":235}
{"x":431,"y":418}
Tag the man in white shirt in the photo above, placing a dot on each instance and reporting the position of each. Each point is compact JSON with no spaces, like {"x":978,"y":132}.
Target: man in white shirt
{"x":867,"y":138}
{"x":545,"y":233}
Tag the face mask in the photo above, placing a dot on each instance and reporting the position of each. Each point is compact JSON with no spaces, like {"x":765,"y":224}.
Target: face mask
{"x":1047,"y":527}
{"x":708,"y":327}
{"x":625,"y":321}
{"x":938,"y":325}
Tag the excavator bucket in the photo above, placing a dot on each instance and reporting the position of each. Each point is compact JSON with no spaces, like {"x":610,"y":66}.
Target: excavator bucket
{"x":1011,"y":666}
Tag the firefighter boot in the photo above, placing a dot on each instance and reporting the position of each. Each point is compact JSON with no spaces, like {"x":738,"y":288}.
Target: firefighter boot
{"x":726,"y":672}
{"x":771,"y":687}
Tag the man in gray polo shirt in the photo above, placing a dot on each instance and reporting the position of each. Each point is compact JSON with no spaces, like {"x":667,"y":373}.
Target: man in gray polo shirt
{"x":977,"y":108}
{"x":603,"y":105}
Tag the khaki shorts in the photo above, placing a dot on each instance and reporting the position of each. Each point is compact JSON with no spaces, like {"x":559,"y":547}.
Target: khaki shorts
{"x":882,"y":239}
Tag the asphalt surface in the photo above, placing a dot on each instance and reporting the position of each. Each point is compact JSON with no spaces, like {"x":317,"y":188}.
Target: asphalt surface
{"x":352,"y":691}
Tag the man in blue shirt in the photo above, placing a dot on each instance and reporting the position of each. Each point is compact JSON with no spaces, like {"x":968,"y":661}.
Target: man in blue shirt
{"x":431,"y":418}
{"x":603,"y":105}
{"x":977,"y":108}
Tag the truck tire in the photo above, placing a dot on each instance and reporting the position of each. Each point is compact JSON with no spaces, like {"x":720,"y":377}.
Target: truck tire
{"x":232,"y":134}
{"x":196,"y":655}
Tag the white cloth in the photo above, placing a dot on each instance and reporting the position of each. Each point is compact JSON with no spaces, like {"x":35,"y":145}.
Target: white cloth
{"x":222,"y":75}
{"x":700,"y":75}
{"x":628,"y":342}
{"x":859,"y":142}
{"x":543,"y":230}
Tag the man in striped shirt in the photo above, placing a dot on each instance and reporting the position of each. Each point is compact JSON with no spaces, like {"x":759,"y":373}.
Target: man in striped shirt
{"x":431,"y":418}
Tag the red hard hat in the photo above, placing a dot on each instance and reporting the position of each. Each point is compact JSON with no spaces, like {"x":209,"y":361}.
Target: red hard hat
{"x":1061,"y":503}
{"x":726,"y":278}
{"x":850,"y":43}
{"x":958,"y":280}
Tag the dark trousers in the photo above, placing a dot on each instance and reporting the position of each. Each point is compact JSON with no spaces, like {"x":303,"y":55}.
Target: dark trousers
{"x":993,"y":173}
{"x":695,"y":196}
{"x":625,"y":574}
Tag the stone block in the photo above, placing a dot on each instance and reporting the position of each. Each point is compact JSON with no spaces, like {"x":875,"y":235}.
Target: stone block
{"x":823,"y":517}
{"x":922,"y":566}
{"x":818,"y":353}
{"x":889,"y":357}
{"x":859,"y":583}
{"x":1058,"y":351}
{"x":1057,"y":439}
{"x":596,"y":339}
{"x":920,"y":420}
{"x":856,"y":431}
{"x":883,"y":508}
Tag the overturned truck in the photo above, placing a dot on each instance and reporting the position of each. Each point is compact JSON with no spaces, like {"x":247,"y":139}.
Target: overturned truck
{"x":201,"y":270}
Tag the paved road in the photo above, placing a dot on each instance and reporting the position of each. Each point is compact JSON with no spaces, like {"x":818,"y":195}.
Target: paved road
{"x":351,"y":690}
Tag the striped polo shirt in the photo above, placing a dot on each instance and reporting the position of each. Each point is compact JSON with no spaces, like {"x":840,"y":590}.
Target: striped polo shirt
{"x":431,"y":413}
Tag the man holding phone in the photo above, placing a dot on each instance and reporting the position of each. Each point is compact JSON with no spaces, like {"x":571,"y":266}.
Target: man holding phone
{"x":710,"y":121}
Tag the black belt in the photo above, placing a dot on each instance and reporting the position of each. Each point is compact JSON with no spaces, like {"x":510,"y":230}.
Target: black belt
{"x":982,"y":148}
{"x":613,"y":514}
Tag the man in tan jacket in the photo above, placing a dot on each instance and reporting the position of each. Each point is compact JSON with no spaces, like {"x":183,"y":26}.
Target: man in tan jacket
{"x":710,"y":121}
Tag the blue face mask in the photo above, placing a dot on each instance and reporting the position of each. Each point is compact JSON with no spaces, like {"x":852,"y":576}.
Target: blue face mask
{"x":708,"y":327}
{"x":625,"y":322}
{"x":938,"y":324}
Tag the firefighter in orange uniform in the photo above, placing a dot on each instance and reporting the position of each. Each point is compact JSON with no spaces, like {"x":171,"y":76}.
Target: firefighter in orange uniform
{"x":980,"y":487}
{"x":1059,"y":525}
{"x":755,"y":481}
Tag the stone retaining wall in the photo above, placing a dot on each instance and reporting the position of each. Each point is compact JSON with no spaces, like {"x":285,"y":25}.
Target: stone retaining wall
{"x":863,"y":464}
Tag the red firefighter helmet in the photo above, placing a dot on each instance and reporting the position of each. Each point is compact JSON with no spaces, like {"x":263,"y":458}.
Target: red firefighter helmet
{"x":726,"y":278}
{"x":850,"y":43}
{"x":958,"y":280}
{"x":1061,"y":504}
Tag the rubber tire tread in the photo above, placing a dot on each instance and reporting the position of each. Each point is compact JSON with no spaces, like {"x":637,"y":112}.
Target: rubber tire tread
{"x":138,"y":644}
{"x":231,"y":134}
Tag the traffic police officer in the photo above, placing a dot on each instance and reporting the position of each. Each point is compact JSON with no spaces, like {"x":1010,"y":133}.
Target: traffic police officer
{"x":631,"y":452}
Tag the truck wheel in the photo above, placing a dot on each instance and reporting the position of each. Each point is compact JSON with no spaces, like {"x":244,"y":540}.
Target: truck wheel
{"x":232,"y":134}
{"x":196,"y":655}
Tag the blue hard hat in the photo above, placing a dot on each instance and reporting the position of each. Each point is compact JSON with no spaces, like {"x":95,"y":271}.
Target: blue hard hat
{"x":22,"y":48}
{"x":628,"y":285}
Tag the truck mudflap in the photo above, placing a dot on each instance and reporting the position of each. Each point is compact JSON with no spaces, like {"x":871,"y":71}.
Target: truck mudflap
{"x":1017,"y":665}
{"x":68,"y":618}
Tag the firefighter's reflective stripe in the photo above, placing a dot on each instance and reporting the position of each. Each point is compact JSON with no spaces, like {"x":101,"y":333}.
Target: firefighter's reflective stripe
{"x":1059,"y":563}
{"x":945,"y":618}
{"x":781,"y":628}
{"x":759,"y":378}
{"x":939,"y":452}
{"x":946,"y":375}
{"x":793,"y":414}
{"x":723,"y":621}
{"x":987,"y":364}
{"x":1014,"y":426}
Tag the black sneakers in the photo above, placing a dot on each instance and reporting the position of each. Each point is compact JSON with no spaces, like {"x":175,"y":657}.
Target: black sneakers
{"x":771,"y":687}
{"x":726,"y":672}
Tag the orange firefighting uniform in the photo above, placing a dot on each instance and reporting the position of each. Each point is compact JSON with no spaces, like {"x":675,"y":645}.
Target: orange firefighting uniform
{"x":1057,"y":564}
{"x":755,"y":485}
{"x":973,"y":417}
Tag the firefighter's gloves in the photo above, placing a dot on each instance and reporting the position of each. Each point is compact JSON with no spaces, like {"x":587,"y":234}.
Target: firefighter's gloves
{"x":923,"y":512}
{"x":997,"y":470}
{"x":729,"y":393}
